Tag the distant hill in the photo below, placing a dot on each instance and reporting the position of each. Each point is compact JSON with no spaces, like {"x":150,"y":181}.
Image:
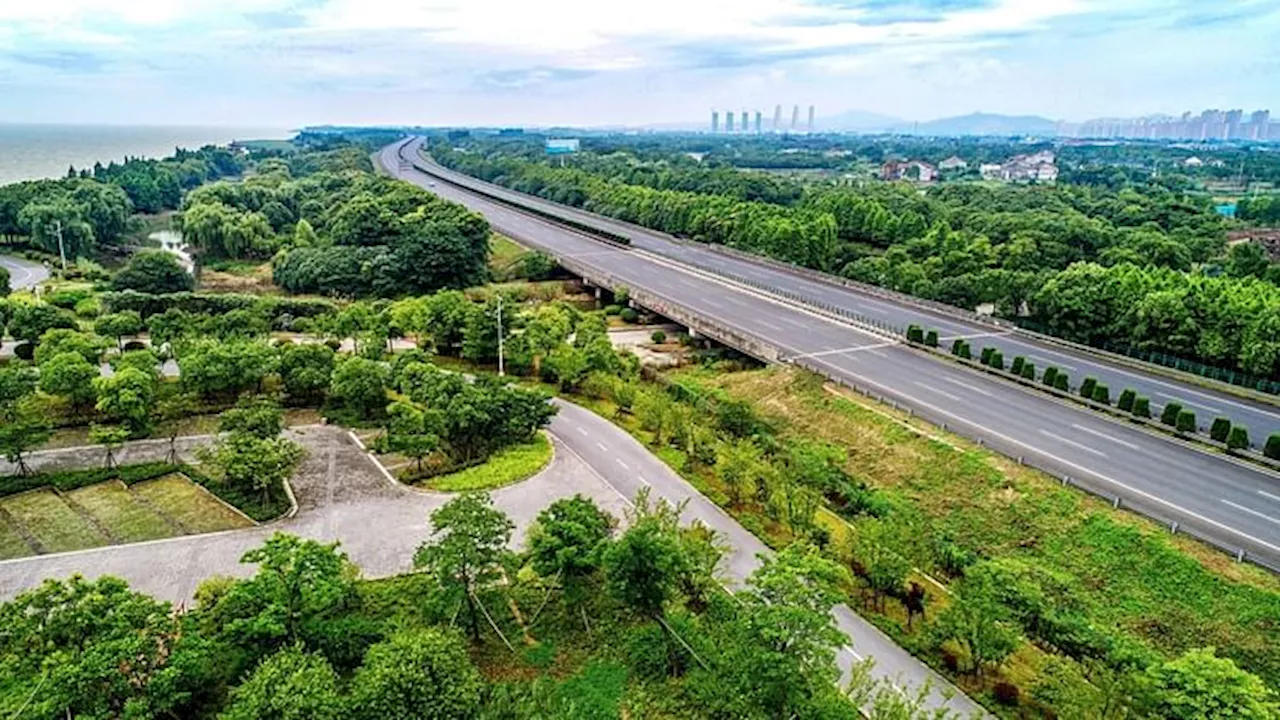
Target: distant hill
{"x":988,"y":124}
{"x":858,"y":121}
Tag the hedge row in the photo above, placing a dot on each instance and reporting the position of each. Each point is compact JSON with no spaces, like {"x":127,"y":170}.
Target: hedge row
{"x":67,"y":480}
{"x":215,"y":304}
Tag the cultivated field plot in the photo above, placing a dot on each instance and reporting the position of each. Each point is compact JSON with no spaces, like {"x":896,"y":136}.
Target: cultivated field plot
{"x":45,"y":521}
{"x":190,"y":506}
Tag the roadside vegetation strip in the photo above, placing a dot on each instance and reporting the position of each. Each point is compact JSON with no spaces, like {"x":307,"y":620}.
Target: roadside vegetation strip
{"x":120,"y":511}
{"x":176,"y":496}
{"x":13,"y":544}
{"x":506,"y":467}
{"x":53,"y":522}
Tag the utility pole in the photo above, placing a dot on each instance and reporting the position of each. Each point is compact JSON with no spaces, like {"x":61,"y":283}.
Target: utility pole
{"x":500,"y":368}
{"x":57,"y":227}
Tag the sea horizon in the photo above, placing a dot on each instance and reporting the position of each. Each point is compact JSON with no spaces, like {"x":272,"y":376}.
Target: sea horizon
{"x":33,"y":151}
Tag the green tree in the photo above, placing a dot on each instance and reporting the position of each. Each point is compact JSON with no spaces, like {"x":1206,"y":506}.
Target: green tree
{"x":738,"y":464}
{"x":417,"y":675}
{"x":62,"y":340}
{"x":96,"y":649}
{"x":568,"y":541}
{"x":412,"y":431}
{"x":360,"y":385}
{"x":69,"y":375}
{"x":29,"y":321}
{"x":1198,"y":685}
{"x":127,"y":396}
{"x":171,"y":409}
{"x":155,"y":272}
{"x":289,"y":685}
{"x":221,"y":369}
{"x":306,"y":370}
{"x":111,"y":438}
{"x":469,"y":542}
{"x":643,"y":567}
{"x":24,"y":431}
{"x":251,"y":464}
{"x":300,"y":585}
{"x":259,"y":417}
{"x":979,"y":622}
{"x":118,"y":325}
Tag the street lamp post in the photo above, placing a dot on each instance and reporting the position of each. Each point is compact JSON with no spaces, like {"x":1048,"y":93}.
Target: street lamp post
{"x":57,"y":228}
{"x":500,"y":367}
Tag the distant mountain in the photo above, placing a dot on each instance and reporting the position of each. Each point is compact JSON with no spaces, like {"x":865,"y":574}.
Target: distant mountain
{"x":987,"y":124}
{"x":858,"y":121}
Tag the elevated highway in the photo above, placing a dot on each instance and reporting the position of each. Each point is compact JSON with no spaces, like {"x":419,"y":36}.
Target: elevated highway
{"x":1231,"y":504}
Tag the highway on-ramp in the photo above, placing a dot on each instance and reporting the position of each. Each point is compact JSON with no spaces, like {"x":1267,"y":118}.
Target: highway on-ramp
{"x":23,"y":273}
{"x":1233,"y":504}
{"x":1260,"y":418}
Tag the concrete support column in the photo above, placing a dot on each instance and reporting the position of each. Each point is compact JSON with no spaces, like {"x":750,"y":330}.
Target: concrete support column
{"x":598,"y":293}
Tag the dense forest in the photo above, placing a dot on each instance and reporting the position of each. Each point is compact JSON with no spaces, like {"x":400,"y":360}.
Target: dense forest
{"x":1022,"y":249}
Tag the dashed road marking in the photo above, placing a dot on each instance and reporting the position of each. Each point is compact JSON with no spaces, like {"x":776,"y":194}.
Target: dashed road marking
{"x":943,"y":393}
{"x":1242,"y":508}
{"x":1073,"y":443}
{"x":1105,"y":436}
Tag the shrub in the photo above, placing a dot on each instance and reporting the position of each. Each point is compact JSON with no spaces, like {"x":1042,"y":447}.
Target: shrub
{"x":612,"y":309}
{"x":1016,"y":366}
{"x":1127,"y":397}
{"x":1169,"y":416}
{"x":1272,"y":448}
{"x":965,"y":352}
{"x":1186,"y":421}
{"x":1006,"y":693}
{"x":1086,"y":387}
{"x":1028,"y":370}
{"x":956,"y":346}
{"x":333,"y":344}
{"x":629,"y":315}
{"x":1220,"y":429}
{"x":1062,"y":382}
{"x":986,"y":355}
{"x":1238,"y":438}
{"x":1102,"y":394}
{"x":997,"y":360}
{"x":1050,"y":376}
{"x":915,"y":334}
{"x":25,"y":351}
{"x":658,"y":337}
{"x":1142,"y":406}
{"x":931,"y":338}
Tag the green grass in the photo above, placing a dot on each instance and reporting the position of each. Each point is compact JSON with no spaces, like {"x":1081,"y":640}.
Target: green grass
{"x":180,"y":499}
{"x":58,"y":528}
{"x":11,"y":543}
{"x":127,"y":518}
{"x":512,"y":465}
{"x":504,"y":252}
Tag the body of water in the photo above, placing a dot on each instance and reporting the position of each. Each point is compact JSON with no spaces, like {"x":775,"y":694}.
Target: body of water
{"x":29,"y":152}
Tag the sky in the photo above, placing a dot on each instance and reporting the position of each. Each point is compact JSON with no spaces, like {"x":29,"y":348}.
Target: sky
{"x":288,"y":63}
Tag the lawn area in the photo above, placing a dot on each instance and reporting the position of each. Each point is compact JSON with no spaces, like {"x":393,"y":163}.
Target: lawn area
{"x":192,"y":507}
{"x":48,"y":517}
{"x":125,"y":516}
{"x":504,"y":253}
{"x":11,"y":543}
{"x":516,"y":463}
{"x":1170,"y":593}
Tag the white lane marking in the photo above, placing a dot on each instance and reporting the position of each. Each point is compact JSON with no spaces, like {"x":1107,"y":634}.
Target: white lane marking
{"x":1213,"y":410}
{"x":873,"y":351}
{"x":1105,"y":436}
{"x":943,"y":393}
{"x":602,"y":446}
{"x":1068,"y":463}
{"x":623,"y":464}
{"x":966,"y":385}
{"x":643,"y":481}
{"x":994,"y":333}
{"x":580,"y":429}
{"x":1264,"y":516}
{"x":836,"y":351}
{"x":1082,"y":446}
{"x":1266,"y":494}
{"x":769,"y":325}
{"x":1047,"y":363}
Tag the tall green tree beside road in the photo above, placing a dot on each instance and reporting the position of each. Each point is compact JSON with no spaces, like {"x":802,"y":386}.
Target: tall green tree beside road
{"x":468,"y":543}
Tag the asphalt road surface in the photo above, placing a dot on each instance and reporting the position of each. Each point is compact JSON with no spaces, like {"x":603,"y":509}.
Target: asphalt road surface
{"x":342,"y":494}
{"x":1233,"y":504}
{"x":23,"y":273}
{"x":1260,"y":418}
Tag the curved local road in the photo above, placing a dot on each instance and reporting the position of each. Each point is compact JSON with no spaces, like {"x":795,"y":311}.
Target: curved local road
{"x":344,"y":495}
{"x":23,"y":273}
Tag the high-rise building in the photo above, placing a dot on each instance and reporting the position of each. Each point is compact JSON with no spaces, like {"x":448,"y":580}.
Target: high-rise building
{"x":759,"y":123}
{"x":1259,"y":122}
{"x":795,"y":117}
{"x":810,"y":118}
{"x":728,"y":121}
{"x":715,"y":122}
{"x":746,"y":121}
{"x":1232,"y":129}
{"x":777,"y":118}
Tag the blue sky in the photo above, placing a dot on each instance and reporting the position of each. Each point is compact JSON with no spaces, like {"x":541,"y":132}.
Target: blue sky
{"x":286,"y":63}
